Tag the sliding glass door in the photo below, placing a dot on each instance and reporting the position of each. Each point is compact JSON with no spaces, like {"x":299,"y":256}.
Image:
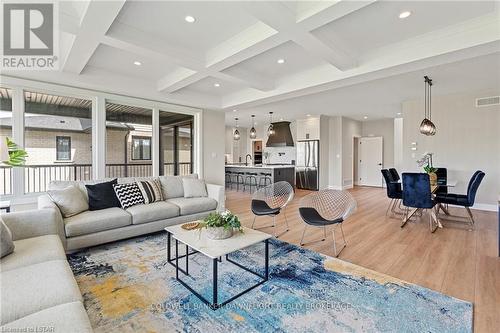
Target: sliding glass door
{"x":176,"y":143}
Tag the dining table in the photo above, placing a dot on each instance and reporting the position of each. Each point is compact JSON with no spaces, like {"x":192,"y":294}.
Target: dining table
{"x":434,"y":188}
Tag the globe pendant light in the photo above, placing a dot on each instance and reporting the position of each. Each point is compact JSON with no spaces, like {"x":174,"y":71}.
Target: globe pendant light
{"x":253,"y":132}
{"x":427,"y":127}
{"x":270,"y":129}
{"x":236,"y":134}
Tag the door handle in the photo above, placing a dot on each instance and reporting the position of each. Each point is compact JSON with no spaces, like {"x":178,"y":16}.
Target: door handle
{"x":380,"y":164}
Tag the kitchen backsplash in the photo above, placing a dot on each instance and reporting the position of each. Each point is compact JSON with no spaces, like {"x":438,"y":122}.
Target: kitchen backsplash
{"x":280,"y":155}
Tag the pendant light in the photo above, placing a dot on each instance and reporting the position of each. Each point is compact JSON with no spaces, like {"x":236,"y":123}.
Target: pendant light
{"x":427,"y":127}
{"x":236,"y":134}
{"x":253,"y":132}
{"x":270,"y":129}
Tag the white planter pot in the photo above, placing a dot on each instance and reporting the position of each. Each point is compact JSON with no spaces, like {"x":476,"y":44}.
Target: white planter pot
{"x":218,"y":233}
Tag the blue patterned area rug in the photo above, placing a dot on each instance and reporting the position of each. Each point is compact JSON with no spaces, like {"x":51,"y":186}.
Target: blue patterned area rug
{"x":128,"y":286}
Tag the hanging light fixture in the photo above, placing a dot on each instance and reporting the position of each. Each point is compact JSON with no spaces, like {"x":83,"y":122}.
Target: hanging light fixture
{"x":236,"y":134}
{"x":427,"y":127}
{"x":270,"y":129}
{"x":253,"y":132}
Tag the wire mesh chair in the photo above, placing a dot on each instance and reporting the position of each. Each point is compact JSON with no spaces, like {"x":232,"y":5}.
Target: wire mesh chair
{"x":271,"y":200}
{"x":327,"y":207}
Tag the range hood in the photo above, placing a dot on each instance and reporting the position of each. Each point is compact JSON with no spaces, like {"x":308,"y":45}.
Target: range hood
{"x":282,"y":136}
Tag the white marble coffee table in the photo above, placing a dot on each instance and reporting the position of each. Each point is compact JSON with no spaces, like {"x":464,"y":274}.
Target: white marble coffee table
{"x":215,"y":250}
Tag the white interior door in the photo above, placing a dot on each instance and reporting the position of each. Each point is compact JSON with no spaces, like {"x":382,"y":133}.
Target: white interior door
{"x":370,"y":154}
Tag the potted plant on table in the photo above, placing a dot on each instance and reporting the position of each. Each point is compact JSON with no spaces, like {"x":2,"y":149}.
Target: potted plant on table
{"x":221,"y":225}
{"x":426,"y":162}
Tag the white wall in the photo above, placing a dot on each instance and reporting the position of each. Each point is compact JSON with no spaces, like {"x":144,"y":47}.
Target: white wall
{"x":213,"y":146}
{"x":385,"y":129}
{"x":467,"y":139}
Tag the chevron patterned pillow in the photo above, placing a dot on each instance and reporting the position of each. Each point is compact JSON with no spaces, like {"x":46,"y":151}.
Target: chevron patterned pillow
{"x":128,"y":194}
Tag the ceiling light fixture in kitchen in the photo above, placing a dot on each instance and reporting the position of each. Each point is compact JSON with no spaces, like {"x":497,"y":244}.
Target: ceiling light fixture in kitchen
{"x":253,"y":132}
{"x":236,"y":134}
{"x":270,"y":129}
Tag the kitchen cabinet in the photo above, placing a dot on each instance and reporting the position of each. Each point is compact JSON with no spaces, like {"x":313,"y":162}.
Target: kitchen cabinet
{"x":308,"y":129}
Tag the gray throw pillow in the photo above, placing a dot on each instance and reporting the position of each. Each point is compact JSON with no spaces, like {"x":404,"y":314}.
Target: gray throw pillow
{"x":7,"y":246}
{"x":71,"y":201}
{"x":194,"y":188}
{"x":172,"y":186}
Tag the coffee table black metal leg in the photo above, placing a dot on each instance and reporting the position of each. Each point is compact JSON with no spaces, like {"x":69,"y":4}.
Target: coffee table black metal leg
{"x":214,"y":304}
{"x":266,"y":271}
{"x":177,"y":259}
{"x":187,"y":262}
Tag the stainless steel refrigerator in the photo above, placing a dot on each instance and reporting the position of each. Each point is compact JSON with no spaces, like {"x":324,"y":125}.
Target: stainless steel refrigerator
{"x":307,"y":165}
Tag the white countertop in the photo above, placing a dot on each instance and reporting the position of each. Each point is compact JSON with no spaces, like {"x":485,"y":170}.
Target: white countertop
{"x":264,"y":166}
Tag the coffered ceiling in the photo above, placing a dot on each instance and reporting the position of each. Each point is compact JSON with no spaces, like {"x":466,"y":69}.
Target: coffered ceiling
{"x":228,"y":57}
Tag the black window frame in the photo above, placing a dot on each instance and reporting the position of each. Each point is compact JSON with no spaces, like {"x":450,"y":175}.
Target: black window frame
{"x":141,"y":151}
{"x":65,"y":137}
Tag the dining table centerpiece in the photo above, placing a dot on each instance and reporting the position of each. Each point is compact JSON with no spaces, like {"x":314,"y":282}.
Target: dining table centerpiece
{"x":221,"y":225}
{"x":426,"y":163}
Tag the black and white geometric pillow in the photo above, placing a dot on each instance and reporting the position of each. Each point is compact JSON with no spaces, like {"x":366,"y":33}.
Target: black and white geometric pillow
{"x":128,"y":194}
{"x":151,"y":190}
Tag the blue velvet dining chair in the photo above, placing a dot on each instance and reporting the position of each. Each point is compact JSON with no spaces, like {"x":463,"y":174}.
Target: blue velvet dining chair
{"x":442,"y":179}
{"x":394,"y":191}
{"x":463,"y":200}
{"x":417,"y":194}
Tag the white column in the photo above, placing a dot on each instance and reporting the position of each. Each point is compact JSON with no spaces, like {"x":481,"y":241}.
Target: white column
{"x":155,"y":149}
{"x":99,"y":137}
{"x":18,"y":137}
{"x":198,"y":164}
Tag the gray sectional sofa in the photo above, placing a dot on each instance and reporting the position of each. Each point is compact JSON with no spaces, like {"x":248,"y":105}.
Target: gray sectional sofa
{"x":91,"y":228}
{"x":38,"y":292}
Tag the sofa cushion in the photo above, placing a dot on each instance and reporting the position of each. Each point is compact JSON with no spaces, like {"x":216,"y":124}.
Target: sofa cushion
{"x":7,"y":245}
{"x":30,"y":289}
{"x":70,"y":200}
{"x":194,"y":188}
{"x":94,"y":221}
{"x":194,"y":205}
{"x":153,"y":212}
{"x":151,"y":190}
{"x":102,"y":195}
{"x":172,"y":186}
{"x":34,"y":250}
{"x":68,"y":317}
{"x":128,"y":194}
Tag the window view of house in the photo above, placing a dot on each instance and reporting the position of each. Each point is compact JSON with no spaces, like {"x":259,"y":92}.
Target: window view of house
{"x":128,"y":141}
{"x":176,"y":143}
{"x":57,"y":138}
{"x":5,"y":131}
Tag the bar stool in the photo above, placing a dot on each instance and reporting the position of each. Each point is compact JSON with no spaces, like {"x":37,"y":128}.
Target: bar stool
{"x":250,"y":180}
{"x":265,"y":179}
{"x":237,"y":178}
{"x":227,"y":181}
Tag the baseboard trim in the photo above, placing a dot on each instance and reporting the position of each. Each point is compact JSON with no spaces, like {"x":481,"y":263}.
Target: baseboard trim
{"x":486,"y":207}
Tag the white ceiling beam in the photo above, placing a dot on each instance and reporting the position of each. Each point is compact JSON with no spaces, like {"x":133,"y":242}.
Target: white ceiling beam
{"x":95,"y":23}
{"x":282,"y":19}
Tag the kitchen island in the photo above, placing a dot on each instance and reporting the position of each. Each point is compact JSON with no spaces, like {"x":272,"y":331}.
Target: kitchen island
{"x":277,"y":172}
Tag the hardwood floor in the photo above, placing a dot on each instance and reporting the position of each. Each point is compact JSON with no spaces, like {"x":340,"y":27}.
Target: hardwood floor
{"x":453,"y":260}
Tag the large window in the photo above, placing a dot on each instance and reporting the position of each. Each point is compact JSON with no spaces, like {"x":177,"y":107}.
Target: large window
{"x":63,"y":148}
{"x":176,"y":143}
{"x":5,"y":132}
{"x":128,"y":141}
{"x":57,"y":138}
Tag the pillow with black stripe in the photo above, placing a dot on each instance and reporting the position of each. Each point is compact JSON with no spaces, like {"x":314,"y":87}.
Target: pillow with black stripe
{"x":151,"y":190}
{"x":128,"y":194}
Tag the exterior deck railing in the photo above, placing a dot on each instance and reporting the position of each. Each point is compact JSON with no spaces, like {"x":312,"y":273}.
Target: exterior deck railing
{"x":38,"y":177}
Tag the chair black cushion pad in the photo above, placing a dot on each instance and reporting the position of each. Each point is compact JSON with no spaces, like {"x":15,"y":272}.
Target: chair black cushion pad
{"x":260,"y":207}
{"x":102,"y":196}
{"x":312,"y":217}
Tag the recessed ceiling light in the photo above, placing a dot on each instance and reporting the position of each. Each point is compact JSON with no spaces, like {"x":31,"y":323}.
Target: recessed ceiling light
{"x":217,"y":85}
{"x":234,"y":110}
{"x":281,"y":119}
{"x":137,"y":63}
{"x":189,"y":19}
{"x":365,"y":117}
{"x":404,"y":14}
{"x":399,"y":113}
{"x":308,"y":115}
{"x":280,"y":61}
